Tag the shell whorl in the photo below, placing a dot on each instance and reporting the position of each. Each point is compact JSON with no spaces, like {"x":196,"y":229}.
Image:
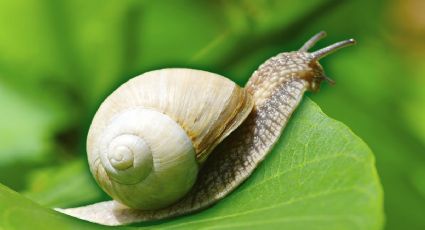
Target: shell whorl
{"x":143,"y":152}
{"x":149,"y":138}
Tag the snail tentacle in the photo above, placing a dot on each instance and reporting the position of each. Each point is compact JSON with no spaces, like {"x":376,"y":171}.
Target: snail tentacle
{"x":312,"y":41}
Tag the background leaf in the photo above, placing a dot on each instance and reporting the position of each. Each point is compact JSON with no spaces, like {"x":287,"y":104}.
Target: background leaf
{"x":320,"y":175}
{"x":18,"y":212}
{"x":63,"y":186}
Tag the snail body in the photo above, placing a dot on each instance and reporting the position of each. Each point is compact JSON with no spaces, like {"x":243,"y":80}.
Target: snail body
{"x":252,"y":125}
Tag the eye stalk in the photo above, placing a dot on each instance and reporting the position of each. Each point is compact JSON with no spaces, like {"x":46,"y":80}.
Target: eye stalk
{"x":327,"y":50}
{"x":332,"y":48}
{"x":312,"y":41}
{"x":317,"y":55}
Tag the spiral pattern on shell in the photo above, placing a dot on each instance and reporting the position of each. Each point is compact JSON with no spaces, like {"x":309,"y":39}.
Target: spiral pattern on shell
{"x":141,"y":156}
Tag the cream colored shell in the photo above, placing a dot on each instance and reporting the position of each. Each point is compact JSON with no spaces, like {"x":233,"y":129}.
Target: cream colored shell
{"x":149,"y":138}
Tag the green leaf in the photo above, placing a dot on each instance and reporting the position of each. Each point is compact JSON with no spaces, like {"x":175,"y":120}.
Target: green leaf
{"x":17,"y":212}
{"x":372,"y":87}
{"x":319,"y":176}
{"x":63,"y":185}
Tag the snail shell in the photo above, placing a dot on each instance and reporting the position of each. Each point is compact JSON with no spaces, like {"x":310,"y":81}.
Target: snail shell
{"x":149,"y":138}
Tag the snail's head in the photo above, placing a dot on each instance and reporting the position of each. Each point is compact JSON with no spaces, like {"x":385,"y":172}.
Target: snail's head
{"x":313,"y":71}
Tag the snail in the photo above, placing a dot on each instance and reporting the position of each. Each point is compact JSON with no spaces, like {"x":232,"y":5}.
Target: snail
{"x":174,"y":141}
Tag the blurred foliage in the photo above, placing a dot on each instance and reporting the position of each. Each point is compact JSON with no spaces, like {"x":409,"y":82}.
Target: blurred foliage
{"x":60,"y":59}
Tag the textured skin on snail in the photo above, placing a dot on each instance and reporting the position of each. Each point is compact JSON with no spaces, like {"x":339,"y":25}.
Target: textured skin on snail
{"x":277,"y":88}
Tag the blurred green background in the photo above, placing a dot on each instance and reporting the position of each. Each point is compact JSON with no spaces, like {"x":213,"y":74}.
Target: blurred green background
{"x":60,"y":59}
